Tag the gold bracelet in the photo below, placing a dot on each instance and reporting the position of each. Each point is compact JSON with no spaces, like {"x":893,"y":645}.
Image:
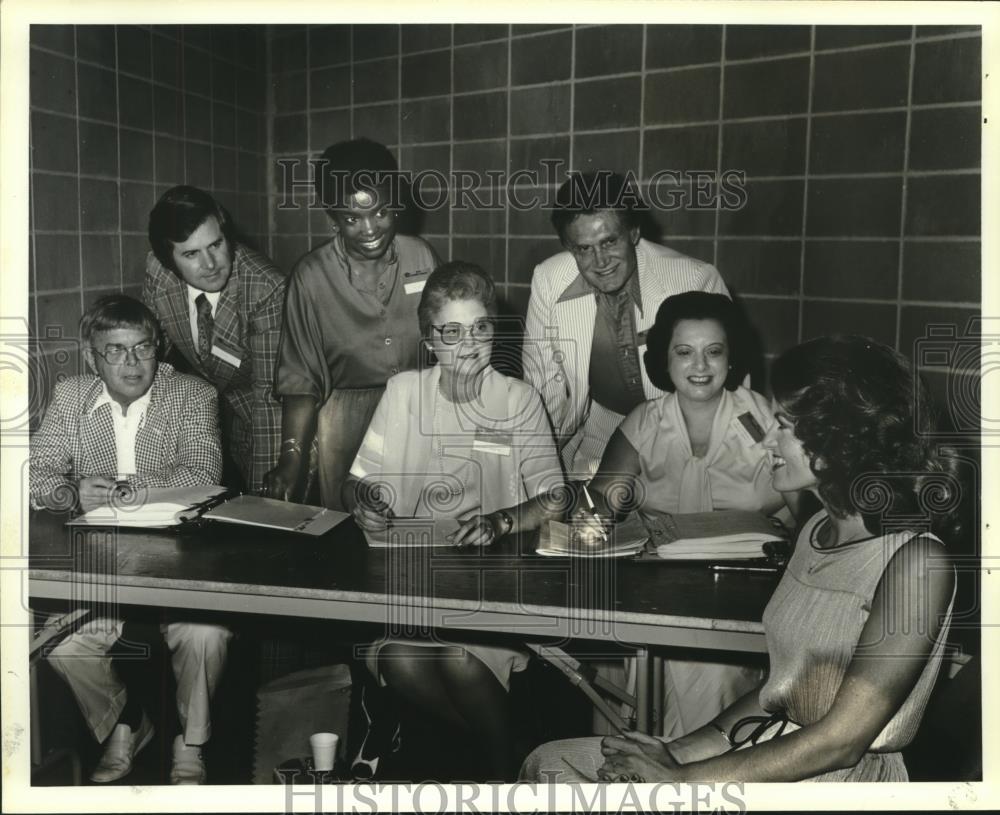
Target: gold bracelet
{"x":292,"y":446}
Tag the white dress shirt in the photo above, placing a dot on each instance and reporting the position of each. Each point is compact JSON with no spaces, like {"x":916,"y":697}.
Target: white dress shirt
{"x":126,"y":427}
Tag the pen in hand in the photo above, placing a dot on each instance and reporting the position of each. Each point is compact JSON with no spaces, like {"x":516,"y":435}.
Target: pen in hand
{"x":593,"y":511}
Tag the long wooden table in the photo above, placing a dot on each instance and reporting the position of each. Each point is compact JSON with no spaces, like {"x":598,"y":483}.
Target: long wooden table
{"x":505,"y":588}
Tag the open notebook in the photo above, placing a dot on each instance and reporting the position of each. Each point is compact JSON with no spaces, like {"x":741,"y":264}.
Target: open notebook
{"x":720,"y":535}
{"x":624,"y":540}
{"x":153,"y":507}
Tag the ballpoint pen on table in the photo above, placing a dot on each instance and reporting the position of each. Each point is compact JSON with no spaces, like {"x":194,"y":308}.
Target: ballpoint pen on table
{"x":593,"y":511}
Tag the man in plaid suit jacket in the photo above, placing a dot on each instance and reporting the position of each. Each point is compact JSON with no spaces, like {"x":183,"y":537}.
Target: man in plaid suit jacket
{"x":150,"y":426}
{"x":195,"y":253}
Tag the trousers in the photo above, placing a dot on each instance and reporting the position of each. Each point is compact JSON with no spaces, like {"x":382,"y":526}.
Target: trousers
{"x":197,"y":656}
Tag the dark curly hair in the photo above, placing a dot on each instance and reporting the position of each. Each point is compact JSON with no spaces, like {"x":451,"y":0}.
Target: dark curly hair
{"x":348,"y":167}
{"x":695,"y":305}
{"x":865,"y":419}
{"x":455,"y":280}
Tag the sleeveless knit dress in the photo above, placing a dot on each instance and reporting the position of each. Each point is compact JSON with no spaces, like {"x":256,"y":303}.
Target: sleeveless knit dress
{"x":813,"y":624}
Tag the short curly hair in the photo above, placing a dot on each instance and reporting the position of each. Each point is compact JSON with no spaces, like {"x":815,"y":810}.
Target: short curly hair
{"x":352,"y":166}
{"x":455,"y":280}
{"x":696,"y":305}
{"x":864,"y":418}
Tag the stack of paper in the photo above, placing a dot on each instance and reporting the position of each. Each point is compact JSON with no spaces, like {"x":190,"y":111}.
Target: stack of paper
{"x":723,"y":535}
{"x":624,"y":540}
{"x":409,"y":532}
{"x":152,"y":508}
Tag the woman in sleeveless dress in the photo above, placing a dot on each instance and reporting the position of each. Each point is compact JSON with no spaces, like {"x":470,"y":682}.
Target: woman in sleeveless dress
{"x":856,"y":627}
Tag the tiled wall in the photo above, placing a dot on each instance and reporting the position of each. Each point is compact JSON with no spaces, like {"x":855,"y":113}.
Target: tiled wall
{"x":118,"y":115}
{"x":860,"y":146}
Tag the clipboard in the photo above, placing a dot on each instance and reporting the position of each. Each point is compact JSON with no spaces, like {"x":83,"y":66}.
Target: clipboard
{"x":270,"y":513}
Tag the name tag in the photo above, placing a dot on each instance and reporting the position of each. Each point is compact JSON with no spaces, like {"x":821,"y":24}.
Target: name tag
{"x":415,"y":287}
{"x":493,"y":442}
{"x":225,"y":356}
{"x":750,"y":428}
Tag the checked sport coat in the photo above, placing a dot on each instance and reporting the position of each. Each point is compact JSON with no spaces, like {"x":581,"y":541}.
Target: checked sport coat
{"x":177,"y":444}
{"x":247,"y":329}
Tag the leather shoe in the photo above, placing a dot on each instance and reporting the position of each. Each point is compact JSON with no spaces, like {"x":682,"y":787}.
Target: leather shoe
{"x":122,"y":747}
{"x":188,"y":766}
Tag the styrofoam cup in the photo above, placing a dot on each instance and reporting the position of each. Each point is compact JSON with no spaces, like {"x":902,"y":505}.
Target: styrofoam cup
{"x":324,"y":748}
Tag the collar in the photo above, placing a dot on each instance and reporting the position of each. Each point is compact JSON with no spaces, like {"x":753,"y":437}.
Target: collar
{"x":139,"y":404}
{"x":581,"y":288}
{"x":193,"y":293}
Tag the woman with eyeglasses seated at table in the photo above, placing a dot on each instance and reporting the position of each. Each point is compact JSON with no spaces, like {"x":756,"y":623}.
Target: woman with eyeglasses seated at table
{"x":457,"y":440}
{"x":690,"y":451}
{"x":856,"y":627}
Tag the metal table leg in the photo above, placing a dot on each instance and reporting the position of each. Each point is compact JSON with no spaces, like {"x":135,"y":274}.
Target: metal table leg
{"x":656,"y":689}
{"x":643,"y":695}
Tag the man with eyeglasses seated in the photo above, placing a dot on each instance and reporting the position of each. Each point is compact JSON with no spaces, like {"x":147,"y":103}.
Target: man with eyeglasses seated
{"x":590,"y":309}
{"x":130,"y":425}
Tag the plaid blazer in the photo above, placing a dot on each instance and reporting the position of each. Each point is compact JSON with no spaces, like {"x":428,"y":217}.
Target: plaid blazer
{"x":177,"y":444}
{"x":247,"y":326}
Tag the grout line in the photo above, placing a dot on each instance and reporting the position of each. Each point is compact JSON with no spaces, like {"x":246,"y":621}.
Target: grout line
{"x":805,"y":186}
{"x":79,"y":184}
{"x":572,"y":103}
{"x":451,"y":137}
{"x":718,"y":146}
{"x":506,"y":224}
{"x":781,"y":117}
{"x":904,"y":192}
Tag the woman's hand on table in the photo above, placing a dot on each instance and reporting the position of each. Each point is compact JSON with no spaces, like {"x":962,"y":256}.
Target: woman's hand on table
{"x":636,"y":757}
{"x":372,"y":517}
{"x":588,"y":529}
{"x":480,"y":530}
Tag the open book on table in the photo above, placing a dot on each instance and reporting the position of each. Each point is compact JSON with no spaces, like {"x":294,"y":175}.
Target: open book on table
{"x":625,"y":539}
{"x":152,"y":507}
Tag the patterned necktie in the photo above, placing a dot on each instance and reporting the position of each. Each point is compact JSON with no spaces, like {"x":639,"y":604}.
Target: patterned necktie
{"x":205,"y":325}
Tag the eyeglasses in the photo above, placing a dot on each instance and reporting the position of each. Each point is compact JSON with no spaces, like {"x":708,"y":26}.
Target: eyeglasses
{"x":117,"y":354}
{"x":453,"y":333}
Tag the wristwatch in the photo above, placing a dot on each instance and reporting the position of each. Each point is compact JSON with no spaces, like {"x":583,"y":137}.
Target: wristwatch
{"x":506,"y":519}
